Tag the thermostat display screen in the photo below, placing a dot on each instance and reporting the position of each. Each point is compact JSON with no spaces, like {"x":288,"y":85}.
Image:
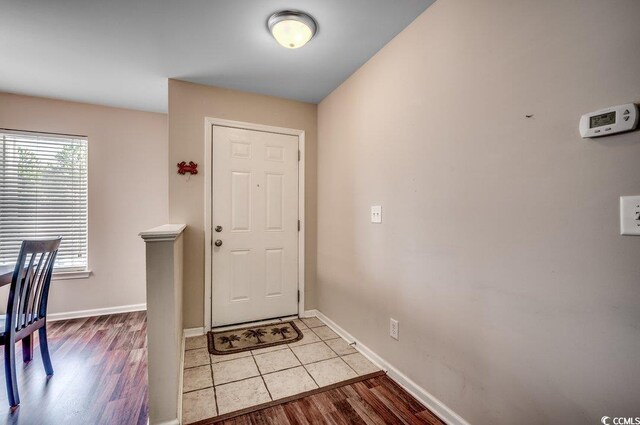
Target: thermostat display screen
{"x":602,"y":119}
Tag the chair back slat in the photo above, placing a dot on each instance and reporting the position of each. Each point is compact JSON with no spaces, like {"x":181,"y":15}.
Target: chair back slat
{"x":24,"y":291}
{"x":34,"y":308}
{"x":29,"y":290}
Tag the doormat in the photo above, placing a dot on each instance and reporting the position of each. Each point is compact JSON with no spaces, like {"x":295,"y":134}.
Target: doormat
{"x":253,"y":337}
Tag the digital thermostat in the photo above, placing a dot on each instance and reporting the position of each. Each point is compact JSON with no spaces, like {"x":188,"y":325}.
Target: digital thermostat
{"x":604,"y":122}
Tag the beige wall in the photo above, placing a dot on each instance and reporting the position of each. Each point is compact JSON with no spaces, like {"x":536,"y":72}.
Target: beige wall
{"x":127,"y":192}
{"x":499,"y":251}
{"x":189,"y":104}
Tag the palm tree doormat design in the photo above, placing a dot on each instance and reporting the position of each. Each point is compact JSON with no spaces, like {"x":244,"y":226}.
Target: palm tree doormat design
{"x":253,"y":337}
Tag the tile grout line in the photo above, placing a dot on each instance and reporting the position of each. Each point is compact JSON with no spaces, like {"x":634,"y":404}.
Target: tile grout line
{"x":237,"y":380}
{"x":230,"y":360}
{"x":193,"y":367}
{"x":215,"y":396}
{"x":193,"y":391}
{"x":288,"y":368}
{"x":262,"y":377}
{"x":306,"y":370}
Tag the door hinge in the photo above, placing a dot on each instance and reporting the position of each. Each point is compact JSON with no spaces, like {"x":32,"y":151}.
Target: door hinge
{"x":299,"y":154}
{"x":298,"y":225}
{"x":298,"y":295}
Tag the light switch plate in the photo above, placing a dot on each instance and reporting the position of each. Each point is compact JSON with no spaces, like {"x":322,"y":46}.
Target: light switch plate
{"x":394,"y":329}
{"x":376,"y":214}
{"x":630,"y":215}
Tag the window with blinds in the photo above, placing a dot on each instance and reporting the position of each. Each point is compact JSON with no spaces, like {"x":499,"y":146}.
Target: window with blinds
{"x":43,"y":193}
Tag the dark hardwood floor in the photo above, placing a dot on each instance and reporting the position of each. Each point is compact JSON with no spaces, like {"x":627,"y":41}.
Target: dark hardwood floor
{"x":100,"y":377}
{"x":374,"y":401}
{"x":100,"y":366}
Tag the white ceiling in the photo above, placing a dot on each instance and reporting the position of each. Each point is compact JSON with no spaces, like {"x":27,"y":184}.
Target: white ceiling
{"x":121,"y":52}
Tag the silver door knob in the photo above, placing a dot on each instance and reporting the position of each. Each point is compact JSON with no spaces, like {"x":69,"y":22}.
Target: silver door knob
{"x":218,"y":242}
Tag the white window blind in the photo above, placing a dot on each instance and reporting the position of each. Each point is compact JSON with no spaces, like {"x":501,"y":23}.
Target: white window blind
{"x":43,"y":193}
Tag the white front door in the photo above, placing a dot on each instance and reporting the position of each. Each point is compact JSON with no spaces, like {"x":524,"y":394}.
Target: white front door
{"x":255,"y":221}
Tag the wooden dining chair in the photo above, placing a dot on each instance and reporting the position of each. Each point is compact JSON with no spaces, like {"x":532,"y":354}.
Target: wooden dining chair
{"x":27,"y":308}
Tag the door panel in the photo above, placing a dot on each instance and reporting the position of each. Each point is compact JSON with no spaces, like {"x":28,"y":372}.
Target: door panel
{"x":240,"y":275}
{"x":255,"y":200}
{"x":273,"y":272}
{"x":240,"y":201}
{"x":275,"y":201}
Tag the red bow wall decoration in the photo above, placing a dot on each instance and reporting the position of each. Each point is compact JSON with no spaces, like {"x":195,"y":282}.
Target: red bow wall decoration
{"x":184,"y":168}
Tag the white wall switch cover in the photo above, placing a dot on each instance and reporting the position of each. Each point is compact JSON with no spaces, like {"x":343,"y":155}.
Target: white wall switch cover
{"x":630,"y":215}
{"x":376,"y":214}
{"x":394,"y":329}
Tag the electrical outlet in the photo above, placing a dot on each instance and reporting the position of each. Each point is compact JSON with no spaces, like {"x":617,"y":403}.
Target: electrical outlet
{"x":630,"y":215}
{"x":394,"y":329}
{"x":376,"y":214}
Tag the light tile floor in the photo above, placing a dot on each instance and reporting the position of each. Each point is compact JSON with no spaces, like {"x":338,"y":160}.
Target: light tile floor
{"x":215,"y":385}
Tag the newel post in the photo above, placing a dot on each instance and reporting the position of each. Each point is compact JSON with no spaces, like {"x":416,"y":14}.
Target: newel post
{"x":164,"y":320}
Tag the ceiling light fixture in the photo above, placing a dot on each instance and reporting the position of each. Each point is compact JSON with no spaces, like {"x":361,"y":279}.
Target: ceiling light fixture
{"x":292,"y":29}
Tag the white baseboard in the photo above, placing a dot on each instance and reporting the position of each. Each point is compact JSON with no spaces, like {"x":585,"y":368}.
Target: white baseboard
{"x":188,"y":333}
{"x":435,"y":405}
{"x":52,"y":317}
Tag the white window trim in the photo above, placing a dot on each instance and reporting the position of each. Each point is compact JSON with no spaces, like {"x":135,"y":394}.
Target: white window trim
{"x":71,"y":274}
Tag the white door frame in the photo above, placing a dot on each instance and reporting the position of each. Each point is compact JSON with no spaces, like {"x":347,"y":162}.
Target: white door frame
{"x":208,"y":204}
